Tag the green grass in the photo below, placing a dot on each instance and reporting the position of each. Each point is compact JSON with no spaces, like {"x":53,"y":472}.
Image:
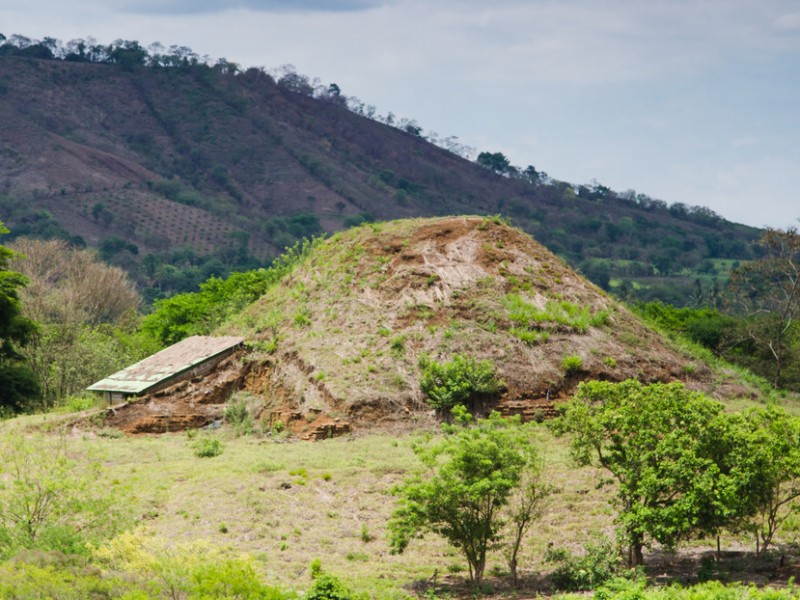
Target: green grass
{"x":286,"y":503}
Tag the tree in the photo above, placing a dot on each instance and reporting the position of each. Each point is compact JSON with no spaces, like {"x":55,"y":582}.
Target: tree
{"x":17,"y":383}
{"x":766,"y":460}
{"x":86,"y":311}
{"x":767,"y":293}
{"x":471,"y":474}
{"x":655,"y":440}
{"x":494,"y":161}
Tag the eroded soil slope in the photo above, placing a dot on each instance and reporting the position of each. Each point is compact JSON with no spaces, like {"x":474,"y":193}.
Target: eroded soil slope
{"x":339,"y":340}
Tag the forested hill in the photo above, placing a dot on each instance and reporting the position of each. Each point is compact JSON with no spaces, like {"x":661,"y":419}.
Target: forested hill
{"x":179,"y":168}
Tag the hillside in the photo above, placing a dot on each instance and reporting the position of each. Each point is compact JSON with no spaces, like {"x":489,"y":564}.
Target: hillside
{"x":208,"y":168}
{"x":337,"y":344}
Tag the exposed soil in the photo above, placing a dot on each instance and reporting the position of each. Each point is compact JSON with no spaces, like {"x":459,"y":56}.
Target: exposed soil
{"x":353,"y":320}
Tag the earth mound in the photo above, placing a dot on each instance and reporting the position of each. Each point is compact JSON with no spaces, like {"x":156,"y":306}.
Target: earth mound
{"x":338,"y":342}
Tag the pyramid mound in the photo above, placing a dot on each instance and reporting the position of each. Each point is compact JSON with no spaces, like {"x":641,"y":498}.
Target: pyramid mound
{"x":340,"y":339}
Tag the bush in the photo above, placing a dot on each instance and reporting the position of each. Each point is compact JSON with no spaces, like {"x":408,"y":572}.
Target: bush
{"x":459,"y":381}
{"x":328,"y":587}
{"x":207,"y":447}
{"x":599,"y":564}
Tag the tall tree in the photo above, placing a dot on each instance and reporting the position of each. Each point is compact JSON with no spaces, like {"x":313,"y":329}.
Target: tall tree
{"x":656,"y":442}
{"x":766,"y":292}
{"x":17,"y":383}
{"x":84,"y":307}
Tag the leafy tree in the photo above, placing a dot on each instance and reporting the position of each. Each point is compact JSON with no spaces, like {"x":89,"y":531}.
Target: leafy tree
{"x":767,"y":293}
{"x":471,"y":474}
{"x":656,"y":441}
{"x":17,"y":383}
{"x":494,"y":161}
{"x":766,"y":462}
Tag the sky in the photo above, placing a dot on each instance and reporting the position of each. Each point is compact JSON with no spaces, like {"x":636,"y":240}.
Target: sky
{"x":692,"y":101}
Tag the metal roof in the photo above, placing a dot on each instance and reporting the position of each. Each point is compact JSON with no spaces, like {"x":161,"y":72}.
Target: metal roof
{"x":166,"y":364}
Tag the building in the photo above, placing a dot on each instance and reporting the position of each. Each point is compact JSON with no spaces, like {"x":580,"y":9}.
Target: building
{"x":189,"y":358}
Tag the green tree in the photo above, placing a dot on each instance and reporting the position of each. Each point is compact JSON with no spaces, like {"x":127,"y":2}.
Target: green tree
{"x":657,"y":443}
{"x":767,"y":293}
{"x":766,"y":461}
{"x":471,"y":474}
{"x":494,"y":161}
{"x":18,"y":385}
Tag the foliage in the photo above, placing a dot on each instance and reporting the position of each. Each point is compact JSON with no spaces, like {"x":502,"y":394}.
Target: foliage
{"x":50,"y":501}
{"x":767,"y":293}
{"x":658,"y":443}
{"x":599,"y":563}
{"x":555,"y":314}
{"x":328,"y":587}
{"x":195,"y":569}
{"x":766,"y":461}
{"x":636,"y":589}
{"x":198,"y":313}
{"x":86,"y":312}
{"x":705,"y":326}
{"x":522,"y":510}
{"x":238,"y":415}
{"x":461,"y":380}
{"x":572,"y":363}
{"x":471,"y":475}
{"x":21,"y":580}
{"x":17,"y":383}
{"x":206,"y":446}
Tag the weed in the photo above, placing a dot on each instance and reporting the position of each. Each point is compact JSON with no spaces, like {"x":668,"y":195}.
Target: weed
{"x":398,"y":344}
{"x":357,"y":556}
{"x":610,"y":362}
{"x":366,"y":536}
{"x":572,"y":363}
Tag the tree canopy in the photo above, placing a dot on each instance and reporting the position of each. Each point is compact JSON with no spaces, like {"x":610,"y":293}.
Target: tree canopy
{"x":17,"y":382}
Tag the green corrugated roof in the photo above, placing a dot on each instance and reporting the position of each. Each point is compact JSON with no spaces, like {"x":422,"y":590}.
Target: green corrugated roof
{"x":166,"y":364}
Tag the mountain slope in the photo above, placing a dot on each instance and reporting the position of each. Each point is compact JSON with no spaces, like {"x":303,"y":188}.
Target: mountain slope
{"x":144,"y":160}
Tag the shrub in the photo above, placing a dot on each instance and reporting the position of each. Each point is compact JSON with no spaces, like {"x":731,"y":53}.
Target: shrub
{"x":207,"y":447}
{"x":599,"y":564}
{"x":50,"y":502}
{"x":328,"y":587}
{"x":459,"y":381}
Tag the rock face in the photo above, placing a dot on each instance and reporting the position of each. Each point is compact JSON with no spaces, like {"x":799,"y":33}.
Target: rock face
{"x":344,"y":332}
{"x":188,"y":404}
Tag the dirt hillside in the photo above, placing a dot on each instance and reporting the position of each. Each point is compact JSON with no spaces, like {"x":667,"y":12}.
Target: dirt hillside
{"x":338,"y":343}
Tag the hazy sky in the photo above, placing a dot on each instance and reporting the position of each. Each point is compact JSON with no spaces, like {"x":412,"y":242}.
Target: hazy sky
{"x":694,"y":101}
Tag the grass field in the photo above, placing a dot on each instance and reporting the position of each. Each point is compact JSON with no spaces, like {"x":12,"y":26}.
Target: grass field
{"x":286,"y":502}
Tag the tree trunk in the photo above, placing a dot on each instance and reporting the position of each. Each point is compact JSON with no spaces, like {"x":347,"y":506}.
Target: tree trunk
{"x":635,"y":557}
